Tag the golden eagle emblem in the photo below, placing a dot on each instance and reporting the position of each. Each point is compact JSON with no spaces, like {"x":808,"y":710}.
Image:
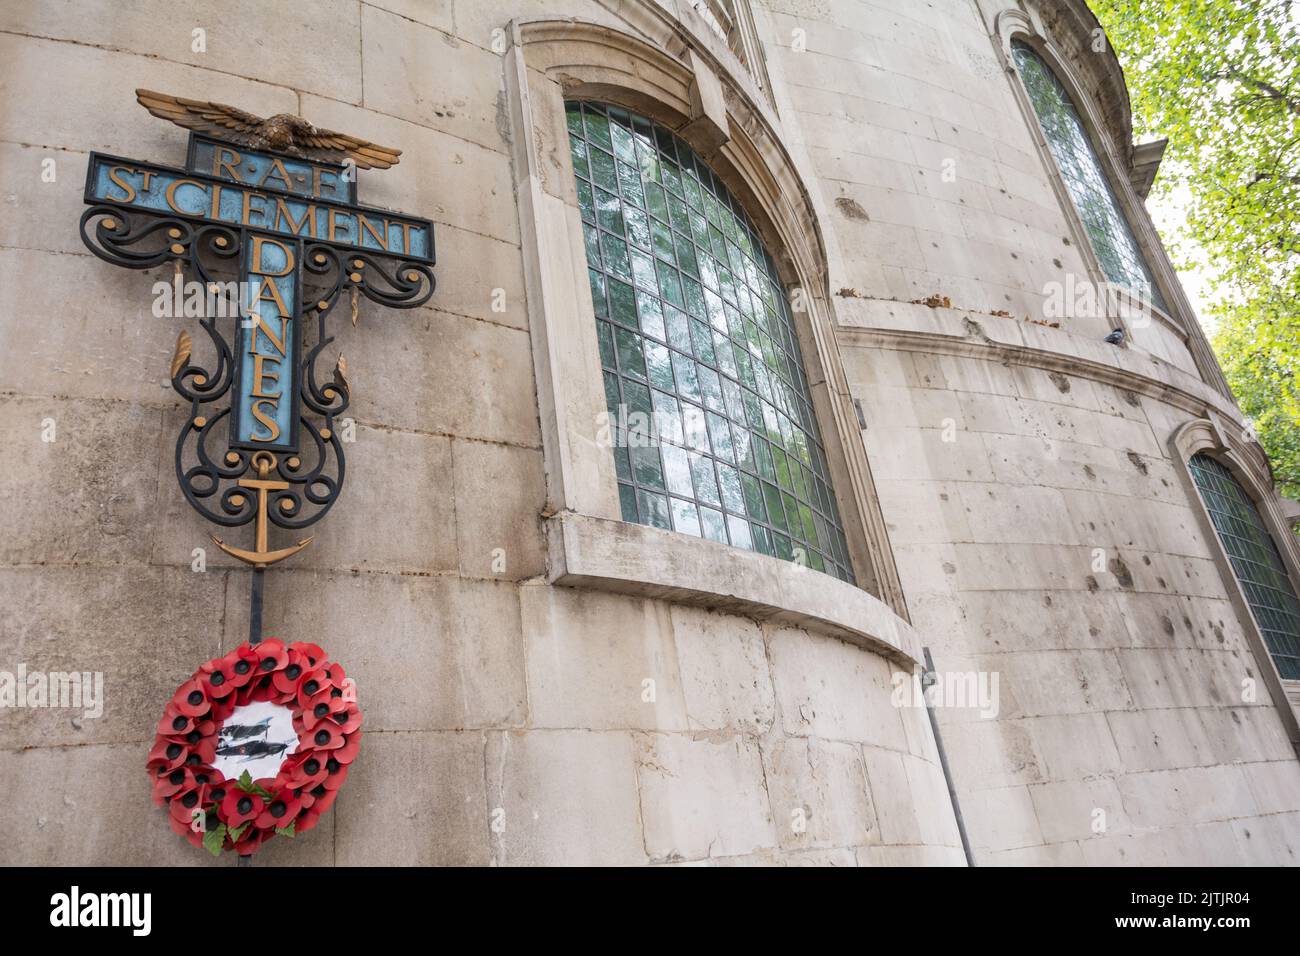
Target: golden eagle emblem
{"x":282,"y":132}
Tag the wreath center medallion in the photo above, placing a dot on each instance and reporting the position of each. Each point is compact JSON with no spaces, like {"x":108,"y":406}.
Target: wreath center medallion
{"x":255,"y":738}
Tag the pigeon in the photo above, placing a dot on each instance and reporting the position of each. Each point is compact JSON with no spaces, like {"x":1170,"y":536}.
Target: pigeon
{"x":1116,"y":337}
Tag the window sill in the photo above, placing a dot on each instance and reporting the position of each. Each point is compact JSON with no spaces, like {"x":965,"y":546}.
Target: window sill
{"x":635,"y":559}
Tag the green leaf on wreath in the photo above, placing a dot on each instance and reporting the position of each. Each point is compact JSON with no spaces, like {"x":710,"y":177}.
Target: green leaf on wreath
{"x":246,"y":784}
{"x":214,"y":840}
{"x":287,"y":831}
{"x":236,"y":833}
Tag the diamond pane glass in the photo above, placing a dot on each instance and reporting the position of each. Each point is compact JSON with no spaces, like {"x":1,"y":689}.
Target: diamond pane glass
{"x":1255,"y":560}
{"x":1067,"y":138}
{"x":697,"y":337}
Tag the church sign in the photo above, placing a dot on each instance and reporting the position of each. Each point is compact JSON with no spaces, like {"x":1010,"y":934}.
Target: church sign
{"x":286,"y":221}
{"x":256,"y":743}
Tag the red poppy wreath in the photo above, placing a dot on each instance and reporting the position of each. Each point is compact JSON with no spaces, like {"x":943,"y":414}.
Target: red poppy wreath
{"x":256,"y":744}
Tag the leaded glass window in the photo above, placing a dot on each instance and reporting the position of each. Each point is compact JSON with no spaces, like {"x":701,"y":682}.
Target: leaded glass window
{"x":1255,"y":560}
{"x":1067,"y":138}
{"x":712,"y":422}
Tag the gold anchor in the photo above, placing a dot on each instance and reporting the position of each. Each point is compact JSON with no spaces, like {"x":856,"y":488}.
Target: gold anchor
{"x":263,"y":461}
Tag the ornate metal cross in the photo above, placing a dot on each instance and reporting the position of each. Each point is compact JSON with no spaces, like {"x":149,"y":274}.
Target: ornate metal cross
{"x":258,"y":202}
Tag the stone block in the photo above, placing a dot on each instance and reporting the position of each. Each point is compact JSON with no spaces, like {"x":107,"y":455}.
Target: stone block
{"x":602,"y":661}
{"x":827,"y":688}
{"x":88,"y":493}
{"x":1169,"y":798}
{"x":1069,"y":811}
{"x":819,"y":794}
{"x":891,"y":795}
{"x":563,"y":798}
{"x":1002,"y":819}
{"x":429,"y":78}
{"x":702,"y":795}
{"x":33,"y":205}
{"x":1074,"y":745}
{"x":459,"y":376}
{"x":891,"y":855}
{"x":414,"y":799}
{"x":500,"y":493}
{"x":107,"y":344}
{"x":724,"y":671}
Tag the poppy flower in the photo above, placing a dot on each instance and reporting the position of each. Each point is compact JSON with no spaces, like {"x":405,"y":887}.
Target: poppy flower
{"x":205,"y":749}
{"x":280,"y":811}
{"x":185,"y":828}
{"x":240,"y":807}
{"x":325,"y":736}
{"x":222,"y":709}
{"x":169,"y":782}
{"x":349,"y":720}
{"x":348,"y":752}
{"x":342,"y":689}
{"x":286,"y":680}
{"x":303,"y":770}
{"x":167,"y":754}
{"x":271,"y":655}
{"x":321,"y":707}
{"x":251,"y":839}
{"x":174,"y":722}
{"x":185,"y":801}
{"x":218,"y":678}
{"x":218,"y":787}
{"x":313,"y":682}
{"x":311,"y":652}
{"x":335,"y":774}
{"x":190,"y":699}
{"x":322,"y":800}
{"x":243,"y":665}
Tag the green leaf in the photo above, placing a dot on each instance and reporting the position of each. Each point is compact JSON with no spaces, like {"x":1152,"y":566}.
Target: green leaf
{"x":236,"y":833}
{"x":287,"y":831}
{"x":246,"y":784}
{"x":214,"y":840}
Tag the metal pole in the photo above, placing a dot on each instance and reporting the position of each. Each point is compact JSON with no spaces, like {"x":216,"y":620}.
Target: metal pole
{"x":255,"y":608}
{"x":927,"y":679}
{"x":254,"y":637}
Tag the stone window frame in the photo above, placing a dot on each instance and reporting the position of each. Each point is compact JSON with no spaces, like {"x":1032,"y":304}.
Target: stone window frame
{"x":1213,"y":436}
{"x":657,"y":66}
{"x":1026,"y":26}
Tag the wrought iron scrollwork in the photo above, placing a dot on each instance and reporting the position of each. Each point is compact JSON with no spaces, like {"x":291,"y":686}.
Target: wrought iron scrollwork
{"x":295,"y":482}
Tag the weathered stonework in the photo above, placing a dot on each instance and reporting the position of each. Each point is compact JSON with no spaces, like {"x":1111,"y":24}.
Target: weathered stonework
{"x":551,"y":689}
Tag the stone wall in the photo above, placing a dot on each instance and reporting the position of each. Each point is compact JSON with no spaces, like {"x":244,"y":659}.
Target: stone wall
{"x":507,"y":721}
{"x":1040,"y":528}
{"x":511,"y":721}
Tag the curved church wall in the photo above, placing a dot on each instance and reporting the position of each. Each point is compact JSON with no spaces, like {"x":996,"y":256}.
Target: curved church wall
{"x":1043,"y":528}
{"x":508,"y":720}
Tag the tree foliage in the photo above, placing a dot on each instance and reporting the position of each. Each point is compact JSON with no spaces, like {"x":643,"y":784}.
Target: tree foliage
{"x":1221,"y":80}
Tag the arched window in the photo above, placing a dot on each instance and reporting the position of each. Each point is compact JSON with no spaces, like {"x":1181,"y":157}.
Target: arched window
{"x":1080,"y":166}
{"x":1255,"y":560}
{"x":711,"y":418}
